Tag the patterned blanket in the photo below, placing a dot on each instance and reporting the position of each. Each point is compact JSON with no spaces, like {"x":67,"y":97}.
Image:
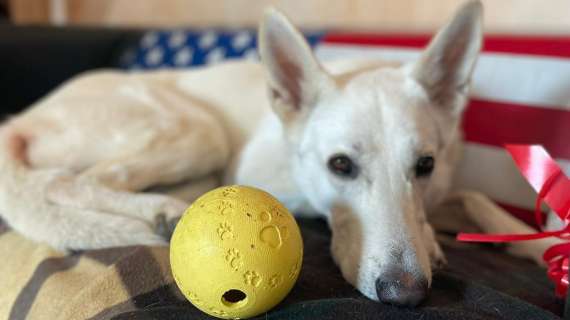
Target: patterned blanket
{"x":480,"y":282}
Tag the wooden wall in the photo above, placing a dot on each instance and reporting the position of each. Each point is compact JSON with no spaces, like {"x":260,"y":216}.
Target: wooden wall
{"x":519,"y":16}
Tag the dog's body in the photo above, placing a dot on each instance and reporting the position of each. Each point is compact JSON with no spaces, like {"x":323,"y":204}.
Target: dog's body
{"x":353,"y":143}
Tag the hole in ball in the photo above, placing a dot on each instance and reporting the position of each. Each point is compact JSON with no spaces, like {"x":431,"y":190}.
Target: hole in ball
{"x":234,"y":297}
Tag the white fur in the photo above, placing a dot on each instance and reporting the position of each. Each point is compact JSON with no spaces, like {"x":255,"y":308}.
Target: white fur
{"x":74,"y":165}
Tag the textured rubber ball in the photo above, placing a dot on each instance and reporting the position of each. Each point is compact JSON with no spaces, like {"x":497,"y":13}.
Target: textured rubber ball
{"x":236,"y":252}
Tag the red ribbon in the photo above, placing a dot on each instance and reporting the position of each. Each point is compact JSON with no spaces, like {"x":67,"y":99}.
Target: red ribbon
{"x":553,"y":188}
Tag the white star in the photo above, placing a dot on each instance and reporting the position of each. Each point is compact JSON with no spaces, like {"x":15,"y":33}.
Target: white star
{"x":154,"y":56}
{"x":149,"y":39}
{"x":251,"y":55}
{"x":208,"y":39}
{"x":216,"y":55}
{"x":183,"y":57}
{"x":177,"y":39}
{"x":241,"y":40}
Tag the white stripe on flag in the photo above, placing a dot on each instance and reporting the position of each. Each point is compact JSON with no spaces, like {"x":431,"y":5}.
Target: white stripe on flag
{"x":523,"y":79}
{"x":492,"y":171}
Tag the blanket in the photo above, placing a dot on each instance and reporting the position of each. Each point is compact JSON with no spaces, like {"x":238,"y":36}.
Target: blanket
{"x":479,"y":282}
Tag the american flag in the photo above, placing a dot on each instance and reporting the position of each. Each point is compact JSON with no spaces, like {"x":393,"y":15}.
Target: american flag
{"x":520,"y":93}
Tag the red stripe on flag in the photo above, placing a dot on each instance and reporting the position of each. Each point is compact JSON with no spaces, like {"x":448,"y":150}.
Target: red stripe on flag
{"x":396,"y":40}
{"x":497,"y":123}
{"x":553,"y":46}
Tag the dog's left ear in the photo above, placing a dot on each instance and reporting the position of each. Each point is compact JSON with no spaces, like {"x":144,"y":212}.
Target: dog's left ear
{"x":295,"y":76}
{"x":445,"y":67}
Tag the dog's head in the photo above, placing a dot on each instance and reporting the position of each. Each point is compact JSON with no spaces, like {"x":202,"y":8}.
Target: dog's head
{"x":371,"y":147}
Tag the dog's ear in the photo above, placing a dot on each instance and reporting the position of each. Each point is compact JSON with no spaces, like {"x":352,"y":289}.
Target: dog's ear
{"x":295,"y":77}
{"x":445,"y":67}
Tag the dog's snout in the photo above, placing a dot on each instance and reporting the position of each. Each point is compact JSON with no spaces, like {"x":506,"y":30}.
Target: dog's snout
{"x":401,"y":288}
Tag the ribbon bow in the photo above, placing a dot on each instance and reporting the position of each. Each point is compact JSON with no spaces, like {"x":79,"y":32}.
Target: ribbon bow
{"x":553,"y":188}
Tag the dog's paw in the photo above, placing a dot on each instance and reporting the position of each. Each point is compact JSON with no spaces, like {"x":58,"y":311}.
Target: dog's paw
{"x":437,"y":258}
{"x":164,"y":227}
{"x":131,"y":233}
{"x":171,"y":208}
{"x":438,"y":263}
{"x":165,"y":215}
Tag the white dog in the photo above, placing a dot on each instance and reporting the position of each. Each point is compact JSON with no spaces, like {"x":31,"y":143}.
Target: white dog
{"x":371,"y":147}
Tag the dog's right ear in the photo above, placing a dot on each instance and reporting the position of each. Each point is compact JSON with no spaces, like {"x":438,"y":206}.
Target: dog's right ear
{"x":295,"y":76}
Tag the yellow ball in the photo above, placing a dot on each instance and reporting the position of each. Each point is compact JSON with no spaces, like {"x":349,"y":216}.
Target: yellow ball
{"x":236,"y":252}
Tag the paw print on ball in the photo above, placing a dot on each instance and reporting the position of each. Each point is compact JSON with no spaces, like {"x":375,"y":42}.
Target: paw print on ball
{"x":225,"y":207}
{"x":194,"y":298}
{"x":229,"y":191}
{"x":218,"y":312}
{"x":275,"y":281}
{"x":272,"y":234}
{"x":252,"y":278}
{"x":277,"y":212}
{"x":233,"y":257}
{"x":225,"y":231}
{"x":294,"y":270}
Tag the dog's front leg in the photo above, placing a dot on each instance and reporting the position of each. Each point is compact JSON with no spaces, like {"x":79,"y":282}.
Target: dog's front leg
{"x":154,"y":209}
{"x":494,"y":220}
{"x":436,"y":255}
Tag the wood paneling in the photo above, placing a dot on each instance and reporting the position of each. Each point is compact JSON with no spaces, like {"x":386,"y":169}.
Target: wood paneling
{"x":520,"y":16}
{"x":29,"y":11}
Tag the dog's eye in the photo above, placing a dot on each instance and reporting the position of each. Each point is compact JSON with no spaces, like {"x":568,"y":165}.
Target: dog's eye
{"x":341,"y":165}
{"x":424,"y":166}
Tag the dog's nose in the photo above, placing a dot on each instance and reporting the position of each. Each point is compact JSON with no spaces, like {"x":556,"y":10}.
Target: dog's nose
{"x":401,"y":288}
